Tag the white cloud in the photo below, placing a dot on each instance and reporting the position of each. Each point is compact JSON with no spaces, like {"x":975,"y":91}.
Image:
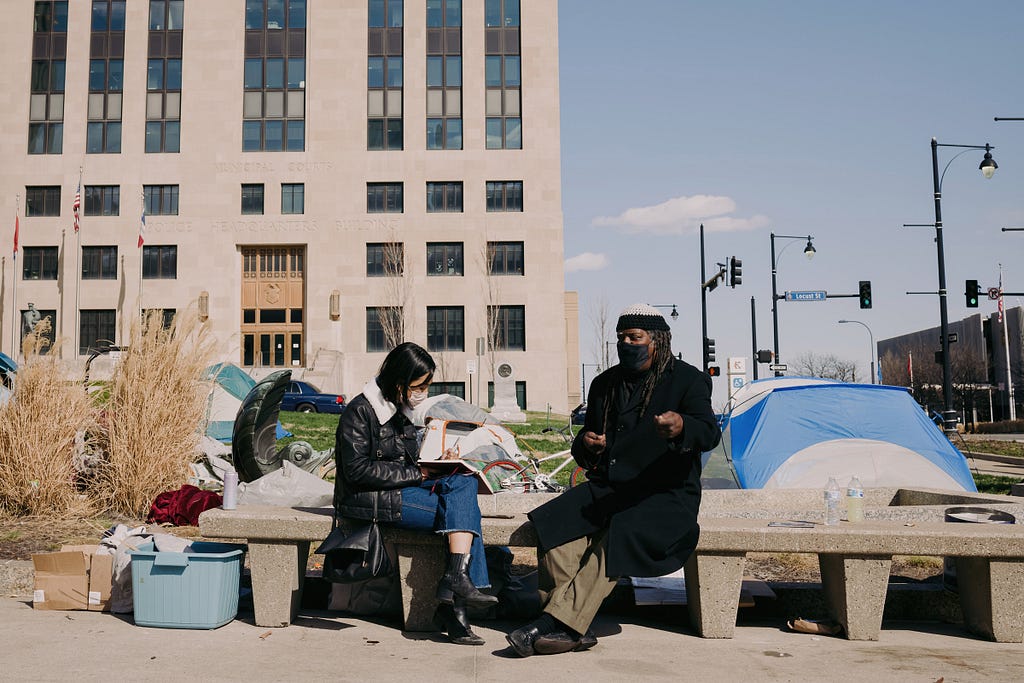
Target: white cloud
{"x":586,"y":261}
{"x":681,"y":215}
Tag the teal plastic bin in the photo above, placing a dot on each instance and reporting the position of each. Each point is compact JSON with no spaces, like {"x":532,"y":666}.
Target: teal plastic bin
{"x":197,"y":589}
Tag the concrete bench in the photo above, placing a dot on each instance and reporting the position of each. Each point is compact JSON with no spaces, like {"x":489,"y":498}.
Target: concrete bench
{"x":279,"y":541}
{"x":855,"y":560}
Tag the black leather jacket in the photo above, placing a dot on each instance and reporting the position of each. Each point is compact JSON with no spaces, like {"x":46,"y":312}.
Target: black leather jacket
{"x":374,"y":461}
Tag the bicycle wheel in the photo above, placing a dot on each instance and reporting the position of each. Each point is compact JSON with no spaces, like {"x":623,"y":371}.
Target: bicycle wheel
{"x":506,"y":473}
{"x":579,"y":475}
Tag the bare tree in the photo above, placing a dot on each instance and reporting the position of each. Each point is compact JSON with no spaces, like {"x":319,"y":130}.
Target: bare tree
{"x":599,"y":314}
{"x":492,"y":293}
{"x":397,"y":294}
{"x":826,"y":365}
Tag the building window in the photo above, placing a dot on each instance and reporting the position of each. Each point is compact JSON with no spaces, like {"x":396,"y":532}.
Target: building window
{"x":505,"y":258}
{"x":384,"y":198}
{"x":446,"y":328}
{"x":106,"y":77}
{"x":97,"y":330}
{"x":451,"y":388}
{"x":252,"y":199}
{"x":384,"y":327}
{"x":505,"y":195}
{"x":444,"y":197}
{"x":163,"y":76}
{"x":444,"y":74}
{"x":274,"y":76}
{"x":42,"y":200}
{"x":384,"y":75}
{"x":508,"y":326}
{"x":166,"y":316}
{"x":444,"y":258}
{"x":40,"y":263}
{"x":385,"y":259}
{"x":50,"y":335}
{"x":102,"y":200}
{"x":161,"y":200}
{"x":160,"y":262}
{"x":520,"y":394}
{"x":46,"y":98}
{"x":293,"y":198}
{"x":99,"y":263}
{"x":502,"y":75}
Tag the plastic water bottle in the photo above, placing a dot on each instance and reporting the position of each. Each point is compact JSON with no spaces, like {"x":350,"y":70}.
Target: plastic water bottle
{"x":230,"y":490}
{"x":832,"y":502}
{"x":854,"y":500}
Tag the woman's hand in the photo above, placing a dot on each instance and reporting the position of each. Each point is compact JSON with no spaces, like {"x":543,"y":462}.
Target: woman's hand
{"x":669,"y":424}
{"x":595,"y":443}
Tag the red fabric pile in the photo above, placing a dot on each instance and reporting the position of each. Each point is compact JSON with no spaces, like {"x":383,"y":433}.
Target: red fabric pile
{"x":182,"y":507}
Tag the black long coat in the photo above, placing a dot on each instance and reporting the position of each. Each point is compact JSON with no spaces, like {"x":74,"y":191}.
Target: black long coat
{"x":644,"y":489}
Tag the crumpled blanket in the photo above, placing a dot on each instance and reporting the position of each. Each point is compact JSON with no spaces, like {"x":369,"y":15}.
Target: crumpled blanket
{"x":119,"y":541}
{"x":182,"y":507}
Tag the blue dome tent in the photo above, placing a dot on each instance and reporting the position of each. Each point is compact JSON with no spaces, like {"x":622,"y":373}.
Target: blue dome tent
{"x":796,"y":432}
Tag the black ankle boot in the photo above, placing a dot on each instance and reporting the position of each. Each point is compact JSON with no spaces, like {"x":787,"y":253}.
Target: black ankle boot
{"x":456,"y":583}
{"x":451,"y":619}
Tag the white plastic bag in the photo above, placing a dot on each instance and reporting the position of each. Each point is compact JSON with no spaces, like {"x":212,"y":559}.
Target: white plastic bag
{"x":288,"y":487}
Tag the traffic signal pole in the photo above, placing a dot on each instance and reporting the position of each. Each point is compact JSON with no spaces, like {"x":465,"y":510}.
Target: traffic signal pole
{"x":703,"y":306}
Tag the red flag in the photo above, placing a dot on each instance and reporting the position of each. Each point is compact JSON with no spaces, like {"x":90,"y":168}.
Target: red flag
{"x":15,"y":237}
{"x":78,"y":203}
{"x":142,"y":228}
{"x":910,"y":366}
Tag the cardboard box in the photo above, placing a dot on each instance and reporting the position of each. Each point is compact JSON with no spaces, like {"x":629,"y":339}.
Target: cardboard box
{"x":74,"y":578}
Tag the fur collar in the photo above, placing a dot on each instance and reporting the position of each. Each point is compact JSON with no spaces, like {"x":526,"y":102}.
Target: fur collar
{"x":385,"y":409}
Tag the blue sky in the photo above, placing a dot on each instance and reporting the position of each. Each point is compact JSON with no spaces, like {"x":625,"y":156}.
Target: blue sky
{"x":793,"y":117}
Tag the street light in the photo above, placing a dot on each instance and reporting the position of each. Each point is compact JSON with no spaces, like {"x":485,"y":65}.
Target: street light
{"x":871,"y":338}
{"x":987,"y":167}
{"x":809,"y":252}
{"x":674,"y":314}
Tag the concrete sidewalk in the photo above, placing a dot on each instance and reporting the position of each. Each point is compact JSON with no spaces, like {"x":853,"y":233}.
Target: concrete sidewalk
{"x":90,"y":646}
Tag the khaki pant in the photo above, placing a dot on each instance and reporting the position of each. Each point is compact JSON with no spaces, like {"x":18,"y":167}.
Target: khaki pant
{"x":572,"y":580}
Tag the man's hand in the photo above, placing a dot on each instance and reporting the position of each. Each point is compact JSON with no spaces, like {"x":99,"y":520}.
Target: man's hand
{"x":595,"y":443}
{"x":669,"y":424}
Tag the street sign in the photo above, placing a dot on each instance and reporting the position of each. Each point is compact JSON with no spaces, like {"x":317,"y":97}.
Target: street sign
{"x":737,"y":382}
{"x":777,"y":367}
{"x":952,"y":338}
{"x":993,"y":293}
{"x":470,"y":366}
{"x":807,"y":296}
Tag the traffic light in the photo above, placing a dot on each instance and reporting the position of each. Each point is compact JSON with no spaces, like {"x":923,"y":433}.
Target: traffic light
{"x":971,"y":293}
{"x":865,"y":293}
{"x":709,"y":350}
{"x":764,"y":356}
{"x":735,"y":272}
{"x":714,"y":370}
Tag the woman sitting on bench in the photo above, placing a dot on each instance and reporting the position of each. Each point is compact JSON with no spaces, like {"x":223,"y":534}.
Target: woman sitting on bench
{"x":377,"y":452}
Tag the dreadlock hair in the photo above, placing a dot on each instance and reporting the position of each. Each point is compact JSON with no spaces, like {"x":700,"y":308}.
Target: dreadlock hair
{"x":661,"y":365}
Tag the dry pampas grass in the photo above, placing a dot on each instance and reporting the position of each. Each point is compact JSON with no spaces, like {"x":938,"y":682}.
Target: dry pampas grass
{"x":155,"y":412}
{"x":38,"y":428}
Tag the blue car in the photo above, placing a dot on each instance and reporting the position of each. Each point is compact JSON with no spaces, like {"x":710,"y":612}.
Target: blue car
{"x":303,"y":397}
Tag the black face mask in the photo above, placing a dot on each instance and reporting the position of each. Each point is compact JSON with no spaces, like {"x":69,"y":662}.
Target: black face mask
{"x":632,"y":356}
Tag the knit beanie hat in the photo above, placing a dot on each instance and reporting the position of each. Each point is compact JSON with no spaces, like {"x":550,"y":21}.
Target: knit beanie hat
{"x":643,"y":317}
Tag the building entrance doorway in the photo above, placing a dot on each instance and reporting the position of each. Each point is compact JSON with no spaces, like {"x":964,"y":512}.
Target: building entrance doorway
{"x":273,"y":306}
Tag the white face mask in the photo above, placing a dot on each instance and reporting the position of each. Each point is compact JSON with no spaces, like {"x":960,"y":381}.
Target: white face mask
{"x":416,"y":397}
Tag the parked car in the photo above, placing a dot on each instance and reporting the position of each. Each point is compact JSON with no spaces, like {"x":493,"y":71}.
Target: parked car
{"x":304,"y":397}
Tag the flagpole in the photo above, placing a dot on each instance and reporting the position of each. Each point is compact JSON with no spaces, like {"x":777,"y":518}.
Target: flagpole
{"x":78,"y":268}
{"x":15,"y":326}
{"x":142,"y":227}
{"x":1006,"y":345}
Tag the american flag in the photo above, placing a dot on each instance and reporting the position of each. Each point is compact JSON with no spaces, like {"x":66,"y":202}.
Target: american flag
{"x":15,"y":237}
{"x":142,"y":227}
{"x":78,"y":204}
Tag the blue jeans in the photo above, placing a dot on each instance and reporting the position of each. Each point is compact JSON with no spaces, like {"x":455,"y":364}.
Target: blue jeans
{"x":445,"y":505}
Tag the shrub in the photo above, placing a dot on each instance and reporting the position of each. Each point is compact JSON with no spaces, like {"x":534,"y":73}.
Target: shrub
{"x":1004,"y":427}
{"x":155,"y":412}
{"x":38,"y":430}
